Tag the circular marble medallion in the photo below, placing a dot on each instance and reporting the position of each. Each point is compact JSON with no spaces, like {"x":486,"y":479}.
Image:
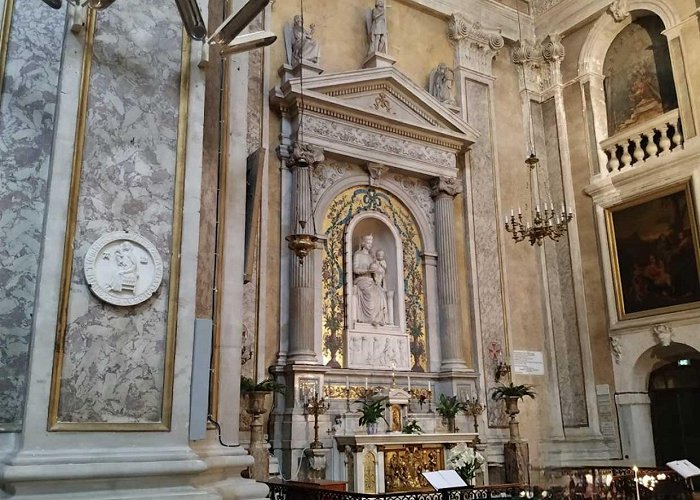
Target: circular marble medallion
{"x":123,"y":269}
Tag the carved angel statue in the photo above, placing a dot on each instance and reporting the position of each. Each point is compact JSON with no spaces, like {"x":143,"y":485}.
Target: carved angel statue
{"x":300,"y":45}
{"x":440,"y":83}
{"x":376,"y":28}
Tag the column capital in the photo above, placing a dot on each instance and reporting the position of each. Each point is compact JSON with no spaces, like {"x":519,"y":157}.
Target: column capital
{"x":541,"y":62}
{"x":445,"y":186}
{"x":304,"y":155}
{"x":476,"y":45}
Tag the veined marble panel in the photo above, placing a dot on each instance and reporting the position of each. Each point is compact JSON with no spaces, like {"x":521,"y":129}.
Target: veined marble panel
{"x":114,"y":359}
{"x":567,"y":345}
{"x":486,"y":221}
{"x":27,"y":113}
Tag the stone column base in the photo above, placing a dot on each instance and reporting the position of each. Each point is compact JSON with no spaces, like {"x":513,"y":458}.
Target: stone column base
{"x":103,"y":473}
{"x":517,"y":462}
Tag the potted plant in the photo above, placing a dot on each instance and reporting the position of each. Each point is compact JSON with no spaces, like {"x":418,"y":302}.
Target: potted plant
{"x":465,"y":461}
{"x":448,"y":407}
{"x":257,"y":392}
{"x":372,"y":411}
{"x":511,"y":394}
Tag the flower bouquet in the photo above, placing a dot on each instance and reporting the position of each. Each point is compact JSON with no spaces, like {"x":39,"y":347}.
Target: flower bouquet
{"x":465,"y":461}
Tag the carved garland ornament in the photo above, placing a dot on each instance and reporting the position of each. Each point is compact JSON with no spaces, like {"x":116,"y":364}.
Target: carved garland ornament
{"x":123,"y":269}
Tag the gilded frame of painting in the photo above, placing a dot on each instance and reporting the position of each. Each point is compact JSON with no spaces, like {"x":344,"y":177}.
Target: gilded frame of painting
{"x":643,"y":286}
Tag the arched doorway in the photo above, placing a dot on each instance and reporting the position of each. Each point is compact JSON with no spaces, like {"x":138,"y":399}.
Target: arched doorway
{"x":674,"y":391}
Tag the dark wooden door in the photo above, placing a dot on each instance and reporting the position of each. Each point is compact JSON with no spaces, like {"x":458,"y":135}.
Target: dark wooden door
{"x":674,"y":391}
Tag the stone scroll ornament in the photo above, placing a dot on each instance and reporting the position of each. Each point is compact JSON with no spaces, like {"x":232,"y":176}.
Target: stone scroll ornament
{"x":123,"y":268}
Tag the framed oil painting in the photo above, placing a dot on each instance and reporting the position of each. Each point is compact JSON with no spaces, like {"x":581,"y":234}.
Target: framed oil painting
{"x":654,"y":253}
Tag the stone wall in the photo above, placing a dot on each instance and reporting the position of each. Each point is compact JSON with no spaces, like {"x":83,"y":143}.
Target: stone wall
{"x":114,"y":362}
{"x":27,"y":114}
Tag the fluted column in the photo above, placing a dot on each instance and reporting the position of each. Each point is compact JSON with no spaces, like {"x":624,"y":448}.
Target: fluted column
{"x":301,"y":161}
{"x":444,"y":189}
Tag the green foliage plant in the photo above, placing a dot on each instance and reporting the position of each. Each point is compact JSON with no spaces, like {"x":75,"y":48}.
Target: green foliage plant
{"x":267,"y":385}
{"x":372,"y":411}
{"x":449,"y":406}
{"x":520,"y":391}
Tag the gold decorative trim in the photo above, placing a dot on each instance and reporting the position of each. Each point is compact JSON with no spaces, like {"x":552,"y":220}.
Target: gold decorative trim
{"x":68,"y":249}
{"x":5,"y":39}
{"x":67,"y":264}
{"x":220,"y":238}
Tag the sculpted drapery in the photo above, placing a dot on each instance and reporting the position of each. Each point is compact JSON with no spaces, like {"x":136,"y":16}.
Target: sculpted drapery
{"x":371,"y":303}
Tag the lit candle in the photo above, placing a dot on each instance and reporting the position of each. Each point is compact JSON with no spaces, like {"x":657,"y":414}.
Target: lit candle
{"x":511,"y":213}
{"x":428,"y":385}
{"x":366,"y":382}
{"x":409,"y":383}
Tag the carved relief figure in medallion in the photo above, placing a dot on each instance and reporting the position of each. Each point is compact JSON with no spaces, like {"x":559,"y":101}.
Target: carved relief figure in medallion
{"x":125,"y":270}
{"x":371,"y":300}
{"x":376,"y":28}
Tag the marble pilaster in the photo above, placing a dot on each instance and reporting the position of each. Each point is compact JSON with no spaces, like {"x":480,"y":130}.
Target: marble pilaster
{"x":302,"y":160}
{"x":443,"y":191}
{"x":27,"y":116}
{"x":475,"y":49}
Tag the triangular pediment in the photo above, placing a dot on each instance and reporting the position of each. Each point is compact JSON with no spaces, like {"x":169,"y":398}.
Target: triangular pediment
{"x":384,"y":94}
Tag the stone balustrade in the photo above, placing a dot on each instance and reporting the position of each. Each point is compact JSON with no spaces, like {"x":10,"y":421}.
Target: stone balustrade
{"x":637,"y":145}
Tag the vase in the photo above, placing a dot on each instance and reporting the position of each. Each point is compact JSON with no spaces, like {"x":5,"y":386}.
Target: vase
{"x":512,"y":410}
{"x":372,"y":427}
{"x":255,"y":406}
{"x":451,"y":427}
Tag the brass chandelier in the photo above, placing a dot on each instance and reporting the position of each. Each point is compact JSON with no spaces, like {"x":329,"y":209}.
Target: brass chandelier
{"x":546,"y":223}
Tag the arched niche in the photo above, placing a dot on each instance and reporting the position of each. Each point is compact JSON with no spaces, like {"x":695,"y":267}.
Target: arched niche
{"x":352,"y":213}
{"x":638,"y":83}
{"x":385,"y":239}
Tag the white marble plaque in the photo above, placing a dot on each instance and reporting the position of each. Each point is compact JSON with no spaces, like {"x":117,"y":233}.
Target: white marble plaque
{"x":528,"y":363}
{"x":605,"y":411}
{"x":123,"y":269}
{"x":379,"y":351}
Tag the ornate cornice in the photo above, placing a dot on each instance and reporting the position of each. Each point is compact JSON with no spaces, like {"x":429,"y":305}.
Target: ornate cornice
{"x":476,"y":45}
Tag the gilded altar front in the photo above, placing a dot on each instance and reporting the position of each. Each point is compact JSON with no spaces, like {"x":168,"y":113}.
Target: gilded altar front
{"x":393,"y":462}
{"x":403,"y":467}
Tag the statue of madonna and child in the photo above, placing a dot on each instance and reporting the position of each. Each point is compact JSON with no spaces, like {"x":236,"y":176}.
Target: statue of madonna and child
{"x":369,"y":274}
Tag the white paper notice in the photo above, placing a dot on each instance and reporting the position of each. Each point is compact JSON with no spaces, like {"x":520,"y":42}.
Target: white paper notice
{"x":528,"y":362}
{"x":685,"y":468}
{"x":443,"y":479}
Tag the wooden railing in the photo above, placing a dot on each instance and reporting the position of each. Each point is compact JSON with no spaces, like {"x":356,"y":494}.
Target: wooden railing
{"x":637,"y":145}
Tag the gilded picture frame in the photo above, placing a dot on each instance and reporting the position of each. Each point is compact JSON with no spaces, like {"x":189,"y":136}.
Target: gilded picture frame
{"x":653,"y":244}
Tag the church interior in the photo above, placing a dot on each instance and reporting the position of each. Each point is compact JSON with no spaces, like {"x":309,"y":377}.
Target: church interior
{"x":248,"y":246}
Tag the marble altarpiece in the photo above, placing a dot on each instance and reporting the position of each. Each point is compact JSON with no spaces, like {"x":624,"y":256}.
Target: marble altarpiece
{"x":376,"y":160}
